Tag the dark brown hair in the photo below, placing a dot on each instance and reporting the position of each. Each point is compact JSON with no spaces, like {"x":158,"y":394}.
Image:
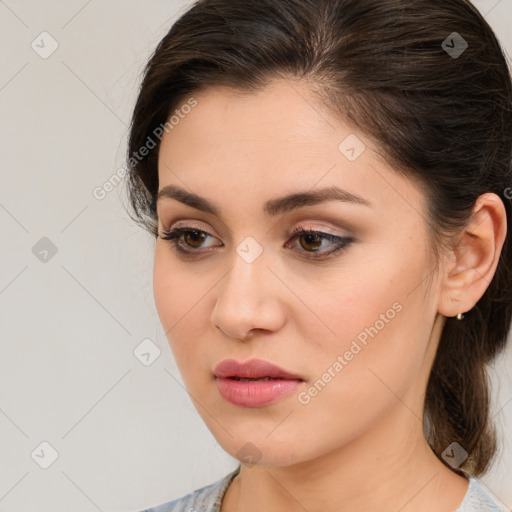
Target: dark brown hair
{"x":441,"y":118}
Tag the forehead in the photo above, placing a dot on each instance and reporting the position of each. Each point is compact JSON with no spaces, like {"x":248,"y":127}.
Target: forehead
{"x":278,"y":128}
{"x":265,"y":143}
{"x":282,"y":112}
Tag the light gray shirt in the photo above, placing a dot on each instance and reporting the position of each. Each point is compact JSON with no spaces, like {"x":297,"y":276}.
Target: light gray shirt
{"x":209,"y":498}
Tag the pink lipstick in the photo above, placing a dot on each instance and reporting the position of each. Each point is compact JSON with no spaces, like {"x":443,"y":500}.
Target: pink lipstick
{"x":254,"y":383}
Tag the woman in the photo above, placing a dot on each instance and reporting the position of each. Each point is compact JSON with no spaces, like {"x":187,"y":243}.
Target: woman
{"x":329,"y":183}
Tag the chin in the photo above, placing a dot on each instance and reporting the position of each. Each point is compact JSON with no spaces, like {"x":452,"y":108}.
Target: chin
{"x":260,"y":451}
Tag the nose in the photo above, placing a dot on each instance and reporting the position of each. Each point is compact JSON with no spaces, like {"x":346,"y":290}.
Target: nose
{"x":249,"y":300}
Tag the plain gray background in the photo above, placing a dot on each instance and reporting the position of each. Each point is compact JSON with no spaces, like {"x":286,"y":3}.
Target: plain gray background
{"x":76,"y":276}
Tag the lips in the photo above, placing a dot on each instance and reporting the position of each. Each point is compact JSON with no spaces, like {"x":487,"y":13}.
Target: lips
{"x":255,"y":383}
{"x":255,"y":369}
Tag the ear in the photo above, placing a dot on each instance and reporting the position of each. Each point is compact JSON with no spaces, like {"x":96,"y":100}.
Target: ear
{"x":470,"y":267}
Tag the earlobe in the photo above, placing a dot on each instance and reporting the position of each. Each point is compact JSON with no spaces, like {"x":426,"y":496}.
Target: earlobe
{"x":472,"y":264}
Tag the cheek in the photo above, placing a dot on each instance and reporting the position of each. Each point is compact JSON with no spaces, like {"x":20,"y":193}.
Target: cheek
{"x":363,"y":292}
{"x":182,"y":300}
{"x":166,"y":283}
{"x":178,"y":289}
{"x":374,"y":319}
{"x":173,"y":295}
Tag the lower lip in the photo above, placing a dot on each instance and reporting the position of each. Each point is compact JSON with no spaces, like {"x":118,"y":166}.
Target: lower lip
{"x":255,"y":393}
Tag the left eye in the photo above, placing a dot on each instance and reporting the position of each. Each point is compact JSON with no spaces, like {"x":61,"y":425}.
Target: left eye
{"x":311,"y":239}
{"x":188,"y":241}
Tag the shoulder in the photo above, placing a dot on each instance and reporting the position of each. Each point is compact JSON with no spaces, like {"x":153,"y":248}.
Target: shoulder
{"x":205,"y":499}
{"x":477,"y":499}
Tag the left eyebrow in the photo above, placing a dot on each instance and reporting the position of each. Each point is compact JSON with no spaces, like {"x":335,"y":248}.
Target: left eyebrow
{"x":272,"y":207}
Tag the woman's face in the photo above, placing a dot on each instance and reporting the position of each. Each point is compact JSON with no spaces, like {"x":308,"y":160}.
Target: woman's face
{"x":352,"y":316}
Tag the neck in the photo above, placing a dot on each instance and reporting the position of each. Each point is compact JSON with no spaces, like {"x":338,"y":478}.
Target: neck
{"x":402,"y":474}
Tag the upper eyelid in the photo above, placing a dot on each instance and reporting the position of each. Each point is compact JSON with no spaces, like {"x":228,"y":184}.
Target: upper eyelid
{"x":348,"y":225}
{"x":292,"y":232}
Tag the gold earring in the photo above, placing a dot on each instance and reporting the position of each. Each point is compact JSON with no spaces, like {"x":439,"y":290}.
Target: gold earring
{"x":460,"y":316}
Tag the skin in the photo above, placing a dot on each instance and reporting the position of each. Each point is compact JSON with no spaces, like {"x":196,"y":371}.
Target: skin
{"x":358,"y":445}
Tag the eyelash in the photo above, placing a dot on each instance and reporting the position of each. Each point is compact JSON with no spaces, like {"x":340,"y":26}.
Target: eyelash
{"x":174,"y":236}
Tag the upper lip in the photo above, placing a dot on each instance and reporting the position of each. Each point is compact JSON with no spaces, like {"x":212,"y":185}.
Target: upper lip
{"x":253,"y":369}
